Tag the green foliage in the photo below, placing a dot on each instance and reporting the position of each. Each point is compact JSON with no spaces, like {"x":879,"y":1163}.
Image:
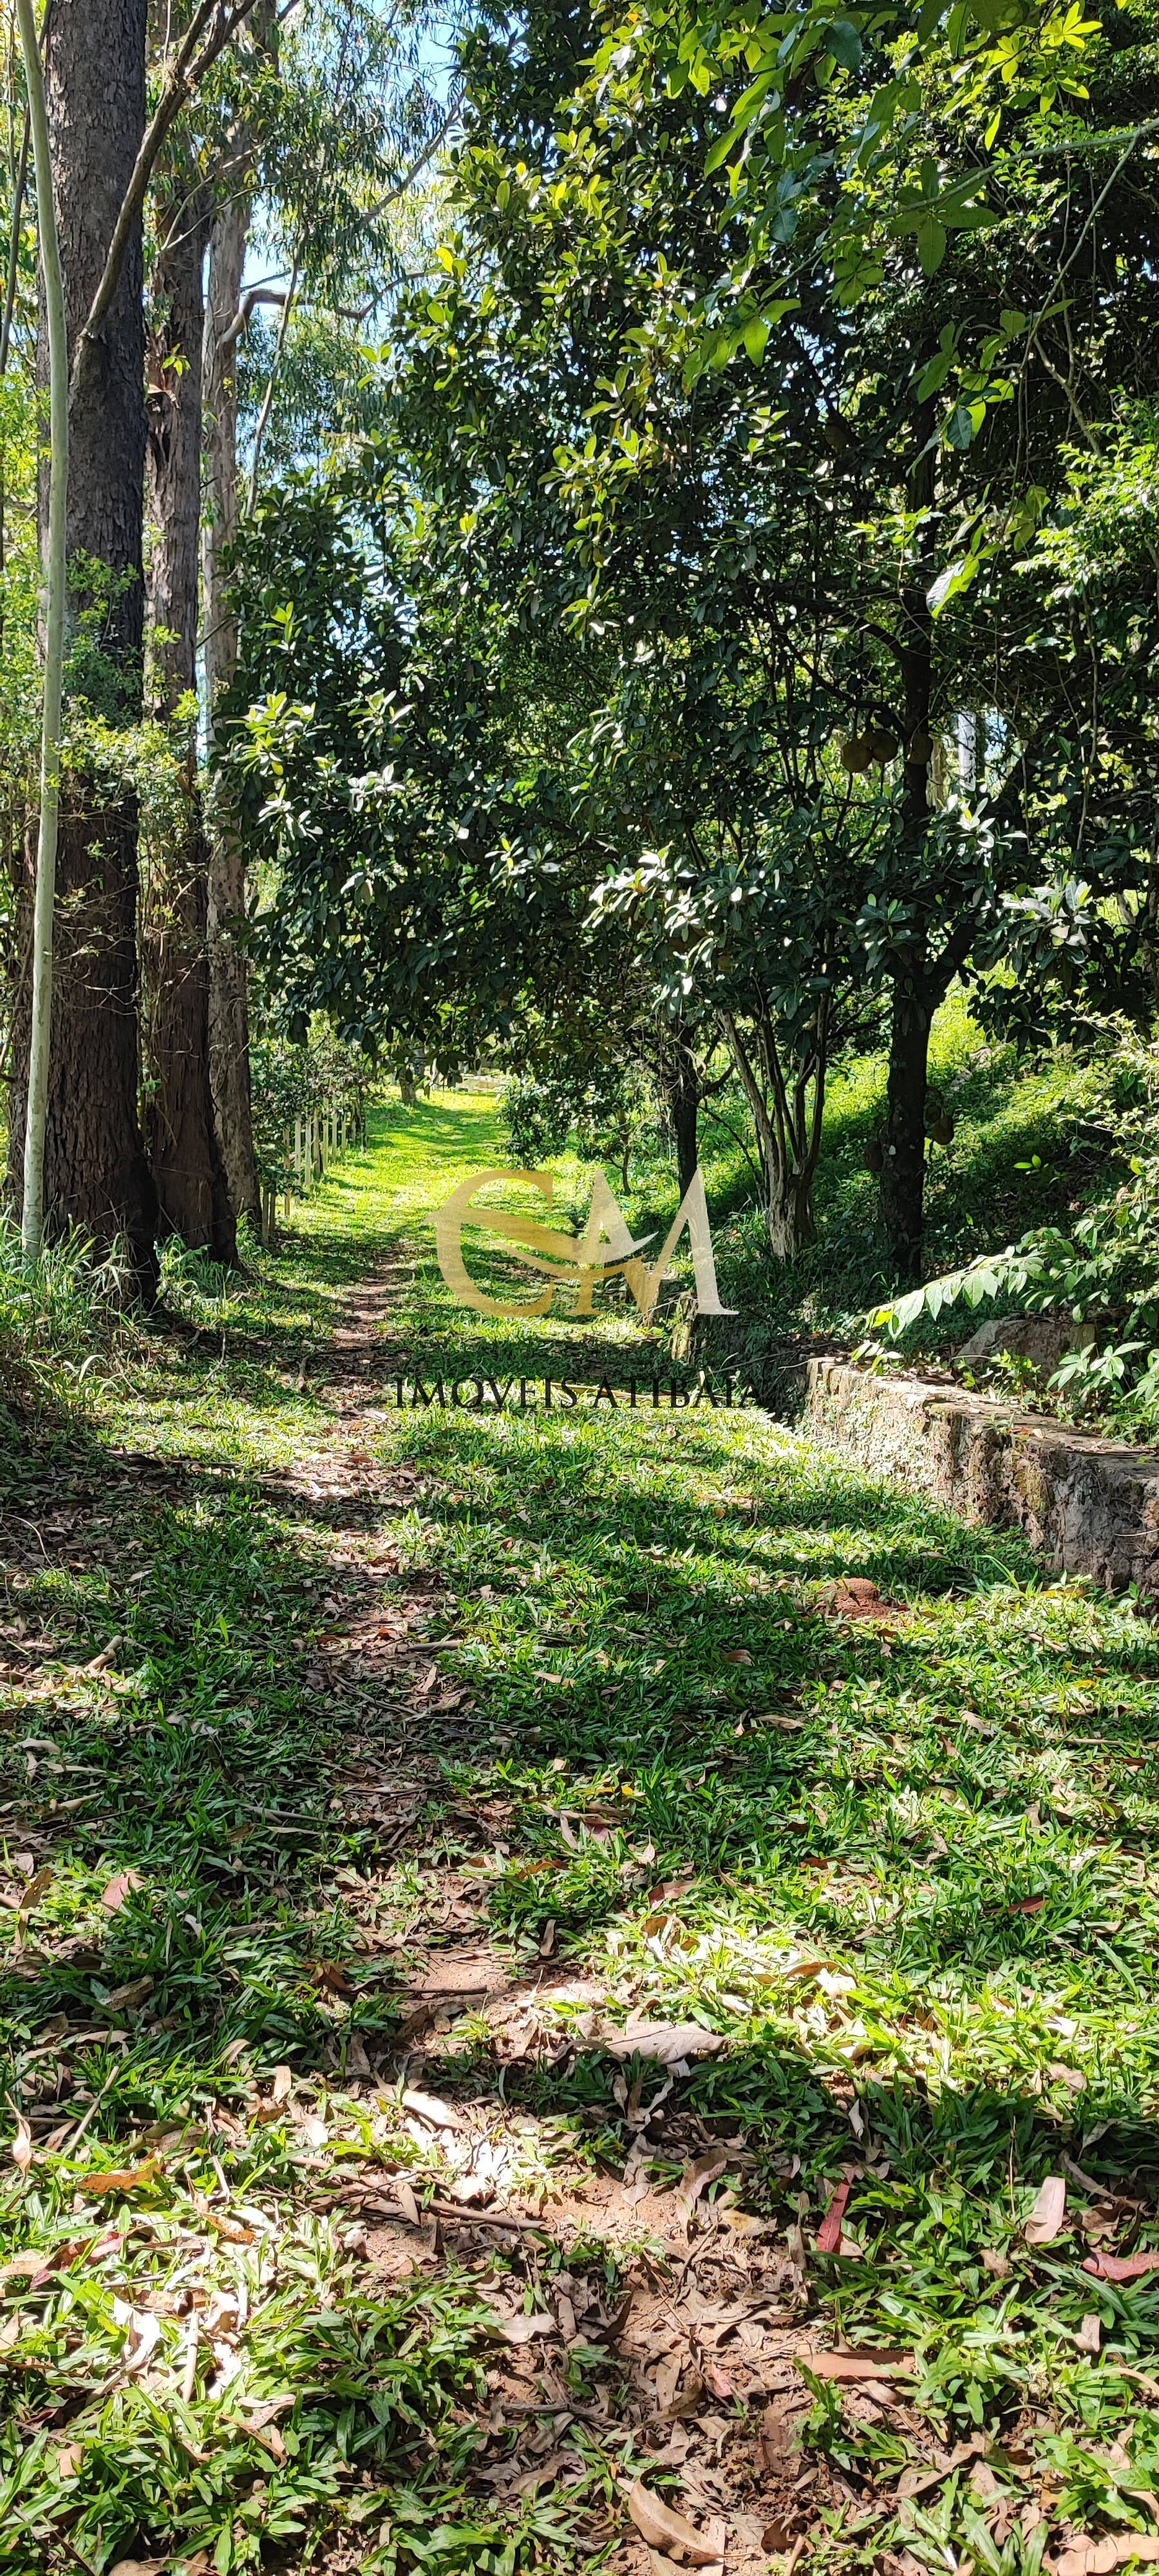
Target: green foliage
{"x":1104,"y":1270}
{"x":292,"y":1082}
{"x":60,"y":1321}
{"x":607,"y":1112}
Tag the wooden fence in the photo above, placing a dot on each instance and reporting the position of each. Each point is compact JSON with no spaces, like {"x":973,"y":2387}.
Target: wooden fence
{"x":309,"y":1145}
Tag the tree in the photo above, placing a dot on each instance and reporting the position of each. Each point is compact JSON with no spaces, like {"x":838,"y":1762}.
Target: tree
{"x":56,"y":574}
{"x":184,"y":1149}
{"x":95,"y":1172}
{"x":890,"y":319}
{"x":103,"y":154}
{"x":328,"y":137}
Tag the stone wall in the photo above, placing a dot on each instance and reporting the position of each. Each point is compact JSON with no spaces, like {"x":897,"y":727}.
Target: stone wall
{"x":1089,"y":1506}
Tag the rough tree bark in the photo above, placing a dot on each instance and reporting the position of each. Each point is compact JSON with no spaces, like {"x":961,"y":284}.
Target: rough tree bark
{"x":228,"y":994}
{"x":914,"y":997}
{"x":184,"y":1149}
{"x":96,"y":1174}
{"x":682,"y":1094}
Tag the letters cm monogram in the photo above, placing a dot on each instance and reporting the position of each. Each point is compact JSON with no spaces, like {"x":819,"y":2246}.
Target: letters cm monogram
{"x":604,"y":1250}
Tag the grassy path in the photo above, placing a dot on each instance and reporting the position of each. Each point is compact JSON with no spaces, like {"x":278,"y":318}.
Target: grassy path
{"x":370,"y":1784}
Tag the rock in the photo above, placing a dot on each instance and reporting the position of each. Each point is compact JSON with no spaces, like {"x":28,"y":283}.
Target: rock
{"x":1042,"y":1339}
{"x":1089,"y":1506}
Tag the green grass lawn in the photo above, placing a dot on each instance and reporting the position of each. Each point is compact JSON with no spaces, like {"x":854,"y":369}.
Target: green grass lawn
{"x":900,"y":1867}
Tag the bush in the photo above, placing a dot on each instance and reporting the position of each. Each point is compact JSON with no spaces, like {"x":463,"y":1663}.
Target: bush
{"x":290,"y":1082}
{"x":1103,"y":1271}
{"x":60,"y":1319}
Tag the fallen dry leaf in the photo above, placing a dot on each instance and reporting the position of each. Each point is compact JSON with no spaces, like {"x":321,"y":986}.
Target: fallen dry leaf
{"x":1120,"y":2267}
{"x":121,"y":2177}
{"x":427,"y":2106}
{"x":1090,"y":2334}
{"x":697,"y":2176}
{"x":916,"y":2482}
{"x":666,"y":2530}
{"x":406,"y":2201}
{"x":112,"y":1898}
{"x":667,"y":2042}
{"x":1048,"y":2216}
{"x":24,"y":2267}
{"x":327,"y":1974}
{"x":68,"y":2458}
{"x":21,"y":2149}
{"x":778,"y":2435}
{"x":856,"y":2365}
{"x":1090,"y":2557}
{"x":524,"y":2329}
{"x":829,"y":2231}
{"x":144,"y":2337}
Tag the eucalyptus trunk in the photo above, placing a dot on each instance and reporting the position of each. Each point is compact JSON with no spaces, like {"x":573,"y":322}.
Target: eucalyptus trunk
{"x":96,"y":1176}
{"x":188,"y":1168}
{"x":55,"y":590}
{"x":228,"y":984}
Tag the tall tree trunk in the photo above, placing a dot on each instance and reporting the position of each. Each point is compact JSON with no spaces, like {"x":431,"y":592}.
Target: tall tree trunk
{"x":789,"y":1216}
{"x":188,"y":1168}
{"x":95,"y":1172}
{"x":55,"y":611}
{"x":228,"y":995}
{"x":681,"y":1083}
{"x":903,"y":1171}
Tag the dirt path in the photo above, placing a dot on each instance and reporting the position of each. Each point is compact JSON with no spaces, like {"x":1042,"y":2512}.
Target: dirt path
{"x":637,"y":2330}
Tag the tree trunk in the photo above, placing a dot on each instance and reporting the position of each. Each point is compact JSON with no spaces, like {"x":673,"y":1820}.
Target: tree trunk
{"x":788,"y":1137}
{"x":789,"y":1212}
{"x":228,"y":994}
{"x":96,"y":1176}
{"x":903,"y":1171}
{"x":188,"y":1168}
{"x":55,"y":613}
{"x":682,"y":1094}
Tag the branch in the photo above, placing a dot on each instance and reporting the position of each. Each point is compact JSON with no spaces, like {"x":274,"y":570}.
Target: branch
{"x":268,"y":396}
{"x":427,"y":154}
{"x":254,"y":295}
{"x":1110,"y":141}
{"x":14,"y":245}
{"x":729,"y":1130}
{"x":182,"y":75}
{"x":17,"y":209}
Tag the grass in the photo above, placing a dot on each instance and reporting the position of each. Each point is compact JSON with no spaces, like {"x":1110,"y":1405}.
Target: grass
{"x":900,"y":1867}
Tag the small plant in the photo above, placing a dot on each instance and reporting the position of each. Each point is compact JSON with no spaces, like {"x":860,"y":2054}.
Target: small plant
{"x":1105,"y":1270}
{"x":59,"y":1319}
